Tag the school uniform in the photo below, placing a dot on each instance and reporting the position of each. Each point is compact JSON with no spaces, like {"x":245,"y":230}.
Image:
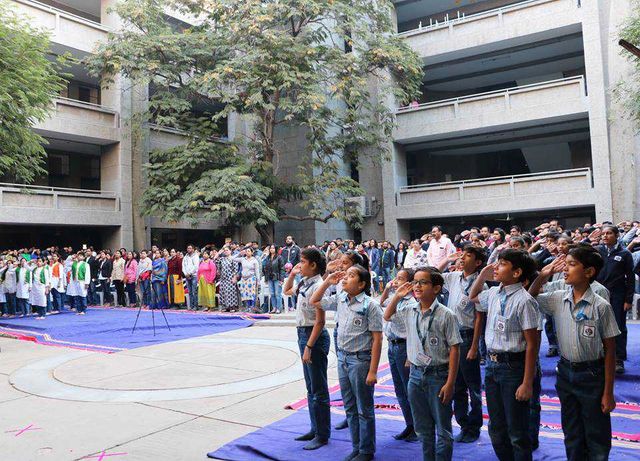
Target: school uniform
{"x":10,"y":287}
{"x":23,"y":291}
{"x":359,"y":317}
{"x":581,"y":327}
{"x":430,"y":336}
{"x":469,"y":381}
{"x":396,"y":332}
{"x":3,"y":298}
{"x":38,"y":295}
{"x":78,"y":285}
{"x":561,"y":285}
{"x":315,"y":373}
{"x":510,"y":310}
{"x":58,"y":286}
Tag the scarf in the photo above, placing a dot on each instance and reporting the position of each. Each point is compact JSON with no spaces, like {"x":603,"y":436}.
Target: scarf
{"x":78,"y":270}
{"x":56,"y":270}
{"x":43,"y":278}
{"x":27,"y":274}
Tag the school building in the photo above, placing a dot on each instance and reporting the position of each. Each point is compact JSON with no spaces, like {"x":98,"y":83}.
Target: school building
{"x":516,"y":123}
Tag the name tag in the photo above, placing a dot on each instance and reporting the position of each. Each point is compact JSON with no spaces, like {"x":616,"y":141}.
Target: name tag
{"x":588,"y":331}
{"x":357,"y":322}
{"x":617,"y":258}
{"x":433,"y":341}
{"x":501,"y":324}
{"x":424,"y":358}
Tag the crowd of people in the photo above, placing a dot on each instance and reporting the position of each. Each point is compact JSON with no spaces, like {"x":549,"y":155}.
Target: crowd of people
{"x":447,"y":306}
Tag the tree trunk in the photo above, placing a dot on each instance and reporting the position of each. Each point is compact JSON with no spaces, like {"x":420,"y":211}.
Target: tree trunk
{"x":265,"y":236}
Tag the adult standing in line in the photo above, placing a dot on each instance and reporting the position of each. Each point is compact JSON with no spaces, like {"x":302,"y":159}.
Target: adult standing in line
{"x":290,"y":257}
{"x":273,"y":270}
{"x":440,"y":247}
{"x":145,"y":267}
{"x":159,"y":282}
{"x":228,"y":277}
{"x":249,"y":276}
{"x":190,"y":264}
{"x":117,"y":275}
{"x":207,"y":281}
{"x":58,"y":283}
{"x":618,"y":277}
{"x":94,"y":264}
{"x":104,"y":277}
{"x":401,"y":254}
{"x":79,"y":284}
{"x":387,"y":263}
{"x":130,"y":278}
{"x":416,"y":256}
{"x":176,"y":288}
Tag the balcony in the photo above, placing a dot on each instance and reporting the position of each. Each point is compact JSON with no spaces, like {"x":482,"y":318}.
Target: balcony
{"x":459,"y":34}
{"x":81,"y":121}
{"x":558,"y":100}
{"x":66,"y":29}
{"x":23,"y":204}
{"x":558,"y":189}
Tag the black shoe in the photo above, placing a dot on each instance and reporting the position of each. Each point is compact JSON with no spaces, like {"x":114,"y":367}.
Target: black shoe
{"x":535,"y":446}
{"x":363,"y":457}
{"x":316,"y":443}
{"x":306,"y":437}
{"x":353,"y":455}
{"x":469,"y":437}
{"x":412,"y":437}
{"x":483,"y":362}
{"x":342,"y":425}
{"x":619,"y":367}
{"x":552,"y":352}
{"x":403,"y":435}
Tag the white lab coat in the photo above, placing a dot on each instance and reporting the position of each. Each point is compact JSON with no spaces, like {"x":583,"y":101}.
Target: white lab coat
{"x":39,"y":289}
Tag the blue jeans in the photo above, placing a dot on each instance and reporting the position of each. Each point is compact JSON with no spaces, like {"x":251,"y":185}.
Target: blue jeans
{"x":430,"y":415}
{"x":80,"y":303}
{"x":397,"y":354}
{"x":357,"y":397}
{"x":192,"y":286}
{"x":58,"y":300}
{"x":386,"y":275}
{"x":508,"y":417}
{"x":145,"y":287}
{"x":550,"y":331}
{"x":275,"y":292}
{"x":315,"y":378}
{"x":534,"y":407}
{"x":40,"y":310}
{"x":92,"y":296}
{"x":11,"y":303}
{"x":468,"y":388}
{"x":587,"y":431}
{"x":23,"y":306}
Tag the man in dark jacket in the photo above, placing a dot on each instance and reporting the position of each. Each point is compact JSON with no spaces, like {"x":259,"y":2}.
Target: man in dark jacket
{"x":94,"y":266}
{"x":618,"y":277}
{"x":387,"y":263}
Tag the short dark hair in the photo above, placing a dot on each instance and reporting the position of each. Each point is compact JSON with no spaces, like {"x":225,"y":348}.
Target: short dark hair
{"x":358,"y":259}
{"x":588,"y":256}
{"x":520,"y":259}
{"x":613,"y":228}
{"x":313,"y":255}
{"x":434,"y":274}
{"x":364,"y":276}
{"x":517,"y":228}
{"x":479,"y":253}
{"x":437,"y":226}
{"x":408,"y":271}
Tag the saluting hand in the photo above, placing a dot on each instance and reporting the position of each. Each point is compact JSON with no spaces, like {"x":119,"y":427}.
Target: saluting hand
{"x":404,"y":289}
{"x":336,"y":277}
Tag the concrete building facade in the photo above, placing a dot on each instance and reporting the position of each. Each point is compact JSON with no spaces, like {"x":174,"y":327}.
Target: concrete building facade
{"x":516,"y":123}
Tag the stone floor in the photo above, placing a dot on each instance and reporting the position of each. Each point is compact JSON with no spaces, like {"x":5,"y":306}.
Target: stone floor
{"x":173,"y":401}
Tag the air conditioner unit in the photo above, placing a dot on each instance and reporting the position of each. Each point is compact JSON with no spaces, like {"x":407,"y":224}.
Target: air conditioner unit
{"x":364,"y":204}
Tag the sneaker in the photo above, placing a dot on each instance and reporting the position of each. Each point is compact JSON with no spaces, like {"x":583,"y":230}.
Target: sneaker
{"x":619,"y":367}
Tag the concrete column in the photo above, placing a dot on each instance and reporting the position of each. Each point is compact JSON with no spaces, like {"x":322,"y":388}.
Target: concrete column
{"x":394,"y":176}
{"x":595,"y":56}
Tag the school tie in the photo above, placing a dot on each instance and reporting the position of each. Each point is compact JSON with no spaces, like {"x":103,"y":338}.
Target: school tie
{"x":503,"y":302}
{"x":300,"y":287}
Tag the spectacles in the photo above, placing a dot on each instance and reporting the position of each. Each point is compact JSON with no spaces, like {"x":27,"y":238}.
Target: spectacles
{"x":422,"y":283}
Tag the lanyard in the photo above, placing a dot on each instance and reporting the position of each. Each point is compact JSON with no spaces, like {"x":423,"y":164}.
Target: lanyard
{"x":503,"y":301}
{"x":423,"y":339}
{"x":469,"y":283}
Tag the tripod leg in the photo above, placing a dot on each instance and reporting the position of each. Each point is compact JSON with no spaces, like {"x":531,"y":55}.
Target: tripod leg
{"x":165,"y":319}
{"x":137,"y":317}
{"x":153,"y":320}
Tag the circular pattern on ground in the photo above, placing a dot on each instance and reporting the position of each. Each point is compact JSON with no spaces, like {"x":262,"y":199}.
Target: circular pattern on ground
{"x":38,"y":378}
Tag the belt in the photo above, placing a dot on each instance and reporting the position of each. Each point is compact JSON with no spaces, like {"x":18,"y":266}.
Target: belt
{"x":430,"y":368}
{"x":466,"y":333}
{"x":504,"y":357}
{"x":305,"y":328}
{"x":354,"y":353}
{"x":578,"y":366}
{"x":398,"y":341}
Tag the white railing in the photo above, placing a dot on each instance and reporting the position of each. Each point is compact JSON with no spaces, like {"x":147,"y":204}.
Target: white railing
{"x":58,"y":13}
{"x":462,"y":18}
{"x":511,"y":180}
{"x":58,"y":192}
{"x":507,"y":92}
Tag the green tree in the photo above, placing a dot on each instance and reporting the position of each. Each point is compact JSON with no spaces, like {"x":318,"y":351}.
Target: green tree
{"x":28,"y":84}
{"x":629,"y":91}
{"x":325,"y":67}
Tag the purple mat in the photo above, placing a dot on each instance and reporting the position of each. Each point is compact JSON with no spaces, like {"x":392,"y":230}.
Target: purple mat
{"x":109,"y":330}
{"x":275,"y":442}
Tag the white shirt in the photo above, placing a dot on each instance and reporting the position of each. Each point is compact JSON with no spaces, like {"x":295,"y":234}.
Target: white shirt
{"x":190,"y":263}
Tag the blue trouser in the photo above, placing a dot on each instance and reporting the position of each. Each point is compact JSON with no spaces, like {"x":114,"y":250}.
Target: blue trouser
{"x":23,"y":306}
{"x":58,"y":300}
{"x":357,"y":397}
{"x":40,"y":310}
{"x":508,"y":417}
{"x":534,"y":407}
{"x":397,"y":354}
{"x":49,"y":306}
{"x":482,"y":347}
{"x":4,"y":308}
{"x":468,"y":387}
{"x":92,"y":296}
{"x":587,"y":430}
{"x":80,"y":303}
{"x":11,"y":303}
{"x":275,"y":292}
{"x":386,"y":275}
{"x":145,"y":288}
{"x":617,"y":304}
{"x":315,"y":378}
{"x":550,"y":331}
{"x":430,"y":415}
{"x":192,"y":286}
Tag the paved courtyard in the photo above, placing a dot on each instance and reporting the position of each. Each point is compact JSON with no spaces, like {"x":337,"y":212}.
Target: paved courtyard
{"x":173,"y":401}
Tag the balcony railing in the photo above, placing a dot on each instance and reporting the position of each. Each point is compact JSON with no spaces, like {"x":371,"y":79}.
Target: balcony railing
{"x":451,"y":22}
{"x":506,"y":93}
{"x":500,"y":187}
{"x":57,"y":198}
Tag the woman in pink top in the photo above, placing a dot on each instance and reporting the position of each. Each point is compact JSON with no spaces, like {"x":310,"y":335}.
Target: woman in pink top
{"x":130,"y":276}
{"x":207,"y":282}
